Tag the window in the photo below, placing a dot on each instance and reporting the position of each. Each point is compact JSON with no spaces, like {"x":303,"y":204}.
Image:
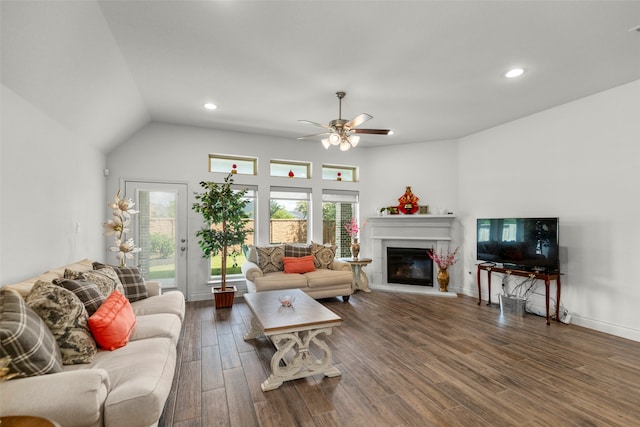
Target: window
{"x":234,"y":262}
{"x":286,"y":168}
{"x":339,"y":173}
{"x":224,"y":164}
{"x":289,"y":214}
{"x":338,"y":207}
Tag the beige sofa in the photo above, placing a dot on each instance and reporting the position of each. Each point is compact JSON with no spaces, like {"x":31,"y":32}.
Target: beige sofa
{"x":125,"y":387}
{"x":264,"y":271}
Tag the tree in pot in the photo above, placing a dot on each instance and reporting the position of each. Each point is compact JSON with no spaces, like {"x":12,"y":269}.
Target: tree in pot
{"x":223,"y":211}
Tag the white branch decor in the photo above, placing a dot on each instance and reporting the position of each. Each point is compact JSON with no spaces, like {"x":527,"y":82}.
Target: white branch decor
{"x":118,"y":227}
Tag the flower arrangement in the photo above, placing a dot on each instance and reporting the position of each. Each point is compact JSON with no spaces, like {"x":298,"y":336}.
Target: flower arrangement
{"x":443,"y":260}
{"x":352,"y":227}
{"x":118,"y":227}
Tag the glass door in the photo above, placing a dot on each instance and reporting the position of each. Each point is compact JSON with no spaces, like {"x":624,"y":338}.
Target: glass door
{"x":161,"y":231}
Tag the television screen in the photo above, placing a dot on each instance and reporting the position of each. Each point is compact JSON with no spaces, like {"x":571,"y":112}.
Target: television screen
{"x":519,"y":243}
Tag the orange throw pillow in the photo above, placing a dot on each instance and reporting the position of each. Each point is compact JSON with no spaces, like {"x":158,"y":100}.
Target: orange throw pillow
{"x":303,"y":264}
{"x":112,"y":324}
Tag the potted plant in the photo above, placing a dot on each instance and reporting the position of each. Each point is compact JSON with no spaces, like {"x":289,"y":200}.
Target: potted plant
{"x":225,"y":228}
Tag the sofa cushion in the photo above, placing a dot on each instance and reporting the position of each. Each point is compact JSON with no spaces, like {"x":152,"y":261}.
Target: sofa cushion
{"x":140,"y":378}
{"x":303,"y":264}
{"x":131,"y":278}
{"x":170,"y":302}
{"x":270,"y":258}
{"x":66,"y":317}
{"x":88,"y":292}
{"x":323,"y":255}
{"x":113,"y":323}
{"x":297,"y":250}
{"x":280,"y":280}
{"x":157,"y":326}
{"x":324,"y":278}
{"x":106,"y":279}
{"x":26,"y":338}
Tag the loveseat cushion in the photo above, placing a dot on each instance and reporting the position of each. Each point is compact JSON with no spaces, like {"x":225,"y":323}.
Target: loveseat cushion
{"x":324,"y":278}
{"x":26,"y":338}
{"x":171,"y":302}
{"x":280,"y":280}
{"x":67,"y":319}
{"x":270,"y":258}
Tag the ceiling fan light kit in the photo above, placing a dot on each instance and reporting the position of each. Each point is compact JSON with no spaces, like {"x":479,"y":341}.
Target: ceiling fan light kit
{"x":341,"y":131}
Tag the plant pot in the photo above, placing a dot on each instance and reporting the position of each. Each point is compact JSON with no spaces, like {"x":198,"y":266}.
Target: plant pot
{"x":224,"y":299}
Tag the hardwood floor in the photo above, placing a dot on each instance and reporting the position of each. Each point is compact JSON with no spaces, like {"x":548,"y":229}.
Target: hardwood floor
{"x":409,"y":360}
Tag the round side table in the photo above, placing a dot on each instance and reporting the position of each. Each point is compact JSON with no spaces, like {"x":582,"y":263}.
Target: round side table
{"x":360,"y":279}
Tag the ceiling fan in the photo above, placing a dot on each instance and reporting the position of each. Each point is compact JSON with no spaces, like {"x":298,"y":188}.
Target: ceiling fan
{"x":343,"y":132}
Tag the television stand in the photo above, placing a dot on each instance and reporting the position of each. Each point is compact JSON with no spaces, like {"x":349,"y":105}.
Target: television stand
{"x":547,"y":277}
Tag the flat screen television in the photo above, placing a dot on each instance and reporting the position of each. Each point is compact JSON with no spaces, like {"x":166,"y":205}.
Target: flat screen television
{"x":520,"y":243}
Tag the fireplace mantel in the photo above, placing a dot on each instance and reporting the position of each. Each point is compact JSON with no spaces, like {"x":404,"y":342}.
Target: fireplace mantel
{"x":409,"y":231}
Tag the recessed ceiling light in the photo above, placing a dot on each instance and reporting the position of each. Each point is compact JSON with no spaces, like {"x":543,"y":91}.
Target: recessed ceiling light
{"x":515,"y":72}
{"x":210,"y":106}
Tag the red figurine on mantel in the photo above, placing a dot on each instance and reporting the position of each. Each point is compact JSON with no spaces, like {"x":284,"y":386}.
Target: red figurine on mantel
{"x":408,"y":202}
{"x":290,"y":173}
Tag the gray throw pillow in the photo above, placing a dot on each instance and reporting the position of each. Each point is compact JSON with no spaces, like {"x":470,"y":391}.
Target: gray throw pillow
{"x":134,"y":287}
{"x":88,"y":292}
{"x":25,"y":338}
{"x":297,"y":250}
{"x":67,"y":319}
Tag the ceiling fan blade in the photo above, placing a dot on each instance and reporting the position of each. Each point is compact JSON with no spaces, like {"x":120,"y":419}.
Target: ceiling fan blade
{"x":314,"y":135}
{"x":315,"y":124}
{"x":358,"y":120}
{"x":372,"y":131}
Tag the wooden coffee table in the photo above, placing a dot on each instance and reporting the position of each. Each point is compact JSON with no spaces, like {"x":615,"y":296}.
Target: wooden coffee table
{"x":293,"y":330}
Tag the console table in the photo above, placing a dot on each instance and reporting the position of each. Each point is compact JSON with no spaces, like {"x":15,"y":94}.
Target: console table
{"x":546,"y":277}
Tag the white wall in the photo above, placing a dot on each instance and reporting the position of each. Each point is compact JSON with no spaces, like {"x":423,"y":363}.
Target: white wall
{"x":165,"y":152}
{"x":52,"y":193}
{"x":581,"y":163}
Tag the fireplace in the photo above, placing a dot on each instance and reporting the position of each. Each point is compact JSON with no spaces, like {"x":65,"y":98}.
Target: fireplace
{"x":409,"y":266}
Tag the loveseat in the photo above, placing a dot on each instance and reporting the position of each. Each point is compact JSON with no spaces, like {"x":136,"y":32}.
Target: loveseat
{"x":315,"y":270}
{"x":126,"y":386}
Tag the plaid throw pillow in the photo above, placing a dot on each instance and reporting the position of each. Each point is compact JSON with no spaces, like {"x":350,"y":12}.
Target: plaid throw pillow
{"x":132,"y":281}
{"x":106,"y":279}
{"x":270,"y":258}
{"x":25,"y":338}
{"x":293,"y":250}
{"x":88,"y":292}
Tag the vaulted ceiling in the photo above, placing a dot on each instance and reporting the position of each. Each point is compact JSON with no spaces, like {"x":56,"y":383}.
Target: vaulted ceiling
{"x":429,"y":70}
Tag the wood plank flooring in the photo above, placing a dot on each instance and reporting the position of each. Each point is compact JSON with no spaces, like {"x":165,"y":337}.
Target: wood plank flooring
{"x":409,"y":360}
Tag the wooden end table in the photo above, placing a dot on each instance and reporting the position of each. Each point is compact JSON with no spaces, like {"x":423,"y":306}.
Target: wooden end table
{"x":360,"y":279}
{"x":293,"y":330}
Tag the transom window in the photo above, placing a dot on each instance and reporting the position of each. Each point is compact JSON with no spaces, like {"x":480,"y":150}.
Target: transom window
{"x":225,"y":163}
{"x":291,"y":169}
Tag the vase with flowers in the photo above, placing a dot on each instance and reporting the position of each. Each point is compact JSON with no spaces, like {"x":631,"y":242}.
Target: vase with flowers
{"x":443,"y":261}
{"x":118,"y":226}
{"x":353,"y":230}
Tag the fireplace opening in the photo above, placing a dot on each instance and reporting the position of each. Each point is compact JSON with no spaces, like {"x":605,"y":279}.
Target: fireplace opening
{"x":409,"y":266}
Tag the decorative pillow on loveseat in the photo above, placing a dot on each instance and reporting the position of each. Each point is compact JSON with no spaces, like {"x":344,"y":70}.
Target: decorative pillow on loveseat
{"x":132,"y":281}
{"x":270,"y":258}
{"x":296,"y":250}
{"x":113,"y":323}
{"x":66,"y":317}
{"x":26,"y":338}
{"x":323,"y":254}
{"x":303,"y":264}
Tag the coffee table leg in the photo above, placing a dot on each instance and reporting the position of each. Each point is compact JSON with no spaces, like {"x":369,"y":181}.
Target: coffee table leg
{"x":303,"y":363}
{"x":256,"y":329}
